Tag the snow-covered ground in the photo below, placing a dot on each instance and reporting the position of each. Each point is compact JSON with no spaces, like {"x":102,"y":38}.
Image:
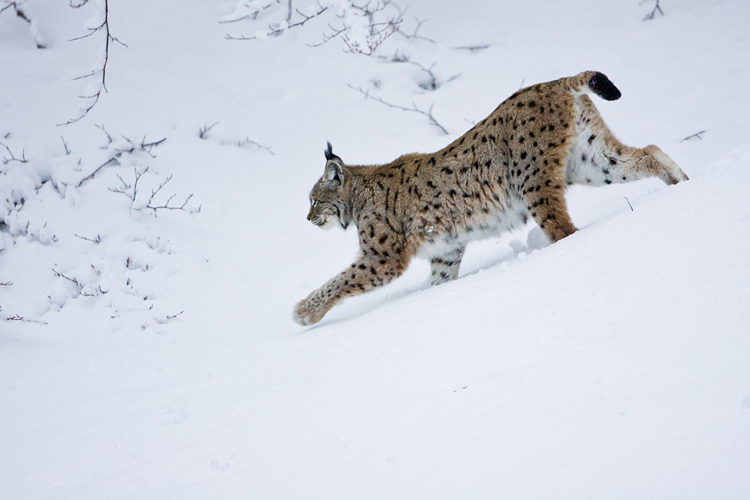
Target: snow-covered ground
{"x":150,"y":353}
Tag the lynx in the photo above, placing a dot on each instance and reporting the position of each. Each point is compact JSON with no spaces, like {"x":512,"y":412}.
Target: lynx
{"x":514,"y":164}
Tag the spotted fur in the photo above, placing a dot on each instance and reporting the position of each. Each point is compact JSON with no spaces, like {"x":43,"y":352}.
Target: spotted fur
{"x":514,"y":164}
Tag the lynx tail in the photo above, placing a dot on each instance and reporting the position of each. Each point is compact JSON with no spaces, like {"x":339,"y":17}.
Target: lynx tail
{"x":603,"y":87}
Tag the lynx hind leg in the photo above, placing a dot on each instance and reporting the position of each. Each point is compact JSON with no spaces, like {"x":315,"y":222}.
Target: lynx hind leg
{"x":597,"y":157}
{"x":543,"y":193}
{"x":669,"y":172}
{"x":610,"y":161}
{"x":444,"y":267}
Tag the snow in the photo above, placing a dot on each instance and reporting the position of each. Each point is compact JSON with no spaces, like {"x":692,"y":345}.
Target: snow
{"x":150,"y":353}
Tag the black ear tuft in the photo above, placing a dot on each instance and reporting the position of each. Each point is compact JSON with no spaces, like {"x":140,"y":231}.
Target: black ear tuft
{"x":329,"y":152}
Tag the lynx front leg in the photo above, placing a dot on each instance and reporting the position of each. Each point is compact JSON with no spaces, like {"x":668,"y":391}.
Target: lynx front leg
{"x":362,"y":276}
{"x":445,"y":267}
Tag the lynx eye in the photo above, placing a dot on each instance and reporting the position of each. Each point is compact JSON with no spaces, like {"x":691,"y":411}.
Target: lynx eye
{"x":315,"y":203}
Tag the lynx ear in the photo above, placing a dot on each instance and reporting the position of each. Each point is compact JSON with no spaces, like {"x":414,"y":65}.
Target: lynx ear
{"x":334,"y":172}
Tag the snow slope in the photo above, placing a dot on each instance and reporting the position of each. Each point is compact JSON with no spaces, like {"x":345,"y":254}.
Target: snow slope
{"x":151,"y":354}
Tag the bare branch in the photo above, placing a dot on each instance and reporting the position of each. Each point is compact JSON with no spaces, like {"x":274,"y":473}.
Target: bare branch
{"x":22,"y":159}
{"x":415,"y":35}
{"x":698,"y":136}
{"x":431,"y":83}
{"x":109,"y":137}
{"x":473,"y":48}
{"x":16,"y":317}
{"x":631,"y":206}
{"x":72,"y":280}
{"x":96,"y":240}
{"x":254,"y":15}
{"x":250,"y":142}
{"x":65,"y":145}
{"x":21,"y":14}
{"x":92,"y":174}
{"x":98,"y":292}
{"x":203,"y":131}
{"x":280,"y":28}
{"x":651,"y":14}
{"x":144,"y":146}
{"x":414,"y":108}
{"x":378,"y":31}
{"x":129,"y":190}
{"x":103,"y":70}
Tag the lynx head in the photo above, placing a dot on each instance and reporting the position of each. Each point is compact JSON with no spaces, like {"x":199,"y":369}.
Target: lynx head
{"x":328,"y":196}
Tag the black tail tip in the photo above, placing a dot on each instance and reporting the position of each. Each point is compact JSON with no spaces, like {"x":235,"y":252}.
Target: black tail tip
{"x":603,"y":87}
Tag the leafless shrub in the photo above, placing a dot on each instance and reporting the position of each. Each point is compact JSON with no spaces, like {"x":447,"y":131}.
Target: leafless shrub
{"x":133,"y":147}
{"x":428,"y":114}
{"x":129,"y":190}
{"x":150,"y":205}
{"x":379,"y":26}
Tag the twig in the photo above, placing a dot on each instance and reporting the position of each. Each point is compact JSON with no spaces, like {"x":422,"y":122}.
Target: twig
{"x":379,"y":32}
{"x":415,"y":36}
{"x":22,"y":159}
{"x":144,"y":146}
{"x":92,"y":174}
{"x":278,"y":29}
{"x":16,"y":317}
{"x":6,"y":283}
{"x":103,"y":70}
{"x":99,"y":291}
{"x":631,"y":206}
{"x":254,"y":15}
{"x":125,"y":186}
{"x":431,"y":83}
{"x":651,"y":14}
{"x":697,"y":135}
{"x":96,"y":240}
{"x":65,"y":145}
{"x":72,"y":280}
{"x":173,"y":316}
{"x":414,"y":108}
{"x":473,"y":48}
{"x":166,"y":206}
{"x":109,"y":137}
{"x":251,"y":142}
{"x":203,"y":131}
{"x":22,"y":15}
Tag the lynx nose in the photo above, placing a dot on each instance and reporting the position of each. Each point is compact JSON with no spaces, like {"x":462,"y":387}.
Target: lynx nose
{"x":309,"y":215}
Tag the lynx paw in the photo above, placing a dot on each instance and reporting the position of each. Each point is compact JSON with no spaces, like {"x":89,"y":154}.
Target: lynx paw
{"x":305,"y":313}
